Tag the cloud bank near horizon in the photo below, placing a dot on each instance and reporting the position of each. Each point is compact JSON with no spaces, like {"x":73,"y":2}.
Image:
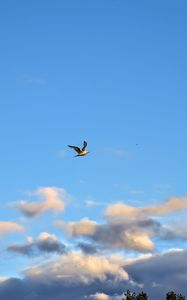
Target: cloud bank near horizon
{"x":92,"y":261}
{"x":94,"y":277}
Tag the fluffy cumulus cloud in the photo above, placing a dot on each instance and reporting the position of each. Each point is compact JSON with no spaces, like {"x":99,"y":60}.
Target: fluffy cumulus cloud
{"x":83,"y":227}
{"x":100,"y":278}
{"x":88,"y":268}
{"x":52,"y":198}
{"x":100,"y":296}
{"x":103,"y":296}
{"x":77,"y":267}
{"x":124,"y":234}
{"x":128,"y":227}
{"x":8,"y":227}
{"x":46,"y":243}
{"x":121,"y":210}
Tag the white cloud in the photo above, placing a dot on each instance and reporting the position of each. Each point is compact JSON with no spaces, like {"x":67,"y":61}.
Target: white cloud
{"x":77,"y":267}
{"x":91,"y":202}
{"x":103,"y":296}
{"x":80,"y":277}
{"x":83,"y":227}
{"x":100,"y":296}
{"x":128,"y":227}
{"x":46,"y":243}
{"x":52,"y":198}
{"x":129,"y":235}
{"x":3,"y":279}
{"x":8,"y":227}
{"x":45,"y":236}
{"x":121,"y":210}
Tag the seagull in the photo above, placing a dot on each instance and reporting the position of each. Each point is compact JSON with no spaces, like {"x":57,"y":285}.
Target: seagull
{"x":81,"y":152}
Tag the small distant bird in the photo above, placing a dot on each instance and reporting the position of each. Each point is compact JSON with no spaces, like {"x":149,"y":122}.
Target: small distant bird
{"x":81,"y":152}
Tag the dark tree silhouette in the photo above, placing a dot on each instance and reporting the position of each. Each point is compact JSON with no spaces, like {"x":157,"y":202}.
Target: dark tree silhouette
{"x":142,"y":296}
{"x":180,"y":297}
{"x":171,"y":296}
{"x":129,"y":295}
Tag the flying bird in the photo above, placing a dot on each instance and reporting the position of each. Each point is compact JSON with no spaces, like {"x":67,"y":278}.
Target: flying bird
{"x":81,"y":152}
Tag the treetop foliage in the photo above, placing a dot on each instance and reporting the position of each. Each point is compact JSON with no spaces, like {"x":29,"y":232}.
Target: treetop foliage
{"x":128,"y":295}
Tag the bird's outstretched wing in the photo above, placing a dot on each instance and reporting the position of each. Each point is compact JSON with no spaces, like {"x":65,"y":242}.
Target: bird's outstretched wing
{"x":84,"y":145}
{"x":77,"y":149}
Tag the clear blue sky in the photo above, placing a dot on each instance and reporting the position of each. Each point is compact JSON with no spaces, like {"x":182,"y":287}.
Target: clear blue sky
{"x":112,"y":72}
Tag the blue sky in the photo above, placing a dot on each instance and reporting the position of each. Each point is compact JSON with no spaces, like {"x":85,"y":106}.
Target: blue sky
{"x":113,"y":73}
